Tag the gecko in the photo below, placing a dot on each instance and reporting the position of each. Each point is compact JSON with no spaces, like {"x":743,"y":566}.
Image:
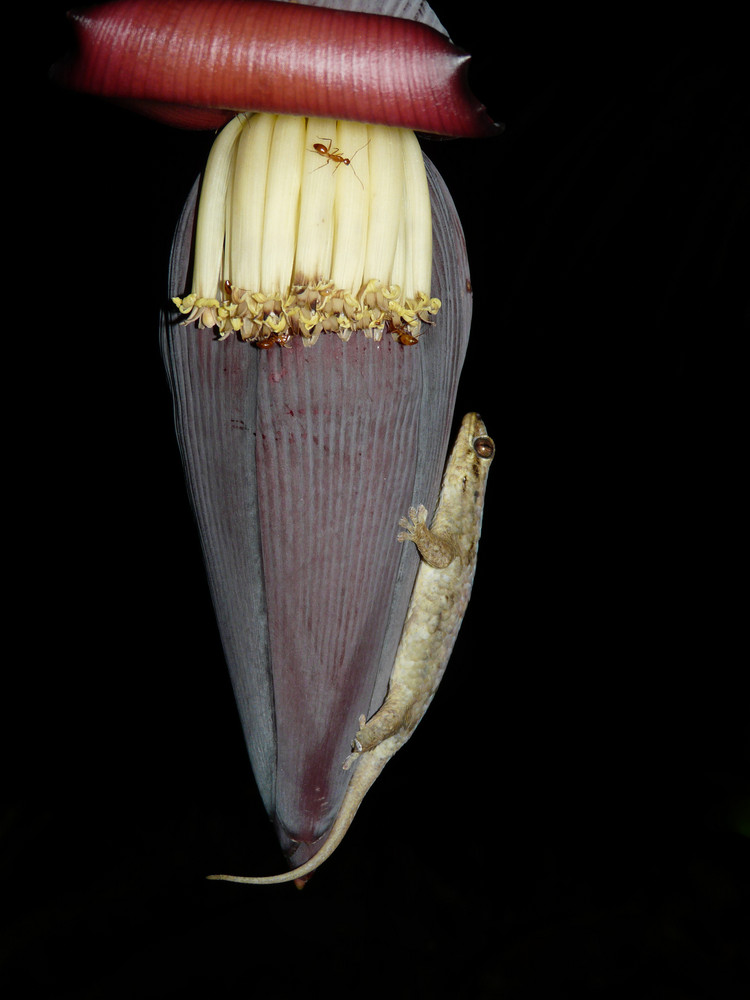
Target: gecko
{"x":448,"y":550}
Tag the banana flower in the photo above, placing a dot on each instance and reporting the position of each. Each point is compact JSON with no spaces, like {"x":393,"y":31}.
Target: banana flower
{"x":318,"y":313}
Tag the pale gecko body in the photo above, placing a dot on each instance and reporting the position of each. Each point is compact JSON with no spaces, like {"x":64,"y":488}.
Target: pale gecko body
{"x":436,"y":609}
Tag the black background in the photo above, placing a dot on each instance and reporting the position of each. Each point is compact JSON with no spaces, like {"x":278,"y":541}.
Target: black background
{"x":569,"y":820}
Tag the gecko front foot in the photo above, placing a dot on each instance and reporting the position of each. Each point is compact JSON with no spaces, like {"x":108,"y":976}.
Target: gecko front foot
{"x":418,"y":519}
{"x":436,"y":550}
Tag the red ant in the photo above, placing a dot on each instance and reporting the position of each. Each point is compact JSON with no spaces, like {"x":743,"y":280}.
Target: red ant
{"x":282,"y":339}
{"x":405,"y":338}
{"x":334,"y":155}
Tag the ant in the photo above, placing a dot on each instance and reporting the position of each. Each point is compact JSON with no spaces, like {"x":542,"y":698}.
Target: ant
{"x":282,"y":339}
{"x":334,"y":155}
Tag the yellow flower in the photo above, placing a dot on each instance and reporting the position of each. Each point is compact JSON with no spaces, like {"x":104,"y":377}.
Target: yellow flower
{"x":309,"y":226}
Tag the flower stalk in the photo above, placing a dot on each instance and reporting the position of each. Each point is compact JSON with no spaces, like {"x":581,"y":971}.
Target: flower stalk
{"x":309,"y":226}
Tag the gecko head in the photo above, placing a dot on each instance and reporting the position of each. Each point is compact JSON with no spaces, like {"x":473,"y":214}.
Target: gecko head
{"x":469,"y":464}
{"x":477,"y":441}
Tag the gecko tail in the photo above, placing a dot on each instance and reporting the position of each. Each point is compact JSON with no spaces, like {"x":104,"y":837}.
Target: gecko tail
{"x":369,"y":767}
{"x":297,"y":876}
{"x":301,"y":874}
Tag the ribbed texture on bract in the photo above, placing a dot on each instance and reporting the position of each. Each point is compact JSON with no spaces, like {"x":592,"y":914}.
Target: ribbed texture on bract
{"x":300,"y":464}
{"x":171,"y":56}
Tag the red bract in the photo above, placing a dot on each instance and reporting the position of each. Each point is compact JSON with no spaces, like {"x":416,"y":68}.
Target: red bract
{"x":191,"y":62}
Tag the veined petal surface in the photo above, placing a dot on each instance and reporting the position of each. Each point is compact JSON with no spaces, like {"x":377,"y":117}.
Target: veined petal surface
{"x":299,"y":464}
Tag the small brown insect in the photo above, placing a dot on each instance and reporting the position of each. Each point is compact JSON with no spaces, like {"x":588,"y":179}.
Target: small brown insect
{"x":331,"y":154}
{"x":283,"y":339}
{"x":334,"y":155}
{"x":405,"y":338}
{"x":267,"y":342}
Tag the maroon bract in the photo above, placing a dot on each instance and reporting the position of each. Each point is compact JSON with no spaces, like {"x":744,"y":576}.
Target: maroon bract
{"x":191,"y":63}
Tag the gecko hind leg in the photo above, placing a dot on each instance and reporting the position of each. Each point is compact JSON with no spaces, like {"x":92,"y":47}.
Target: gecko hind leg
{"x":356,"y":746}
{"x":388,"y":721}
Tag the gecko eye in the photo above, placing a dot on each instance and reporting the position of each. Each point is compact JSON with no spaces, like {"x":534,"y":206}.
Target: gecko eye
{"x":484,"y":447}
